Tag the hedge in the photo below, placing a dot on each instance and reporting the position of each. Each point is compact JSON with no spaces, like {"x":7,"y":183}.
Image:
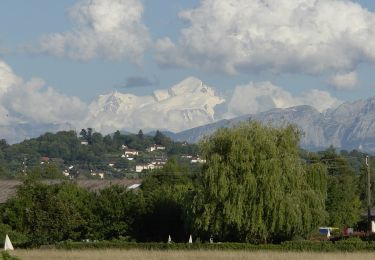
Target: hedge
{"x":313,"y":246}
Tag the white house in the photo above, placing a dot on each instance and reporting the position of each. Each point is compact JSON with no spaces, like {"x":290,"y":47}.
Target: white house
{"x":197,"y":160}
{"x":66,"y":173}
{"x":141,"y":167}
{"x":101,"y":175}
{"x":131,"y":153}
{"x":159,"y":162}
{"x":155,"y":147}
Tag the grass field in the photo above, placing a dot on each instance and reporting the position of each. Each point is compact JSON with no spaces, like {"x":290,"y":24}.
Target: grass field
{"x":114,"y":254}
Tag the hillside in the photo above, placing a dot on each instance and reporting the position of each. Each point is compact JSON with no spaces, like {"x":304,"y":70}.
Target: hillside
{"x":349,"y":126}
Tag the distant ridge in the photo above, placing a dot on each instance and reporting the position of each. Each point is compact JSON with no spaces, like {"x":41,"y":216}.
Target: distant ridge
{"x":349,"y":126}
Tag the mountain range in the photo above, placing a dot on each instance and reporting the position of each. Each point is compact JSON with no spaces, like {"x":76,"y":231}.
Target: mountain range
{"x":190,"y":110}
{"x":349,"y":126}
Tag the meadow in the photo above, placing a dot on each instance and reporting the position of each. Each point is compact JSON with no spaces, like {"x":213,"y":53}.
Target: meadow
{"x":115,"y":254}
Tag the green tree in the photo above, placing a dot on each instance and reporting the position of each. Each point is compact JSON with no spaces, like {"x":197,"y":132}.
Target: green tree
{"x":254,"y":187}
{"x":86,"y":134}
{"x":362,"y":183}
{"x":162,"y":139}
{"x":343,"y":201}
{"x":48,"y":213}
{"x":117,"y":211}
{"x":164,"y":191}
{"x":140,"y":134}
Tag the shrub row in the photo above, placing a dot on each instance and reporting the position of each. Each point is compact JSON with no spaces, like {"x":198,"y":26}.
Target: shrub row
{"x":344,"y":245}
{"x":164,"y":246}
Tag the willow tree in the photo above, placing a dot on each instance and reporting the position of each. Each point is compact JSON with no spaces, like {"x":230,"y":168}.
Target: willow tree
{"x":254,"y":186}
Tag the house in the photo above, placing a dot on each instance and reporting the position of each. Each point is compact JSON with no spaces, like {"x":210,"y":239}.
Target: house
{"x":130,"y":153}
{"x":141,"y":167}
{"x":159,"y":161}
{"x":156,"y":164}
{"x":44,"y":159}
{"x":197,"y":160}
{"x":101,"y":175}
{"x":155,"y":147}
{"x":128,"y":158}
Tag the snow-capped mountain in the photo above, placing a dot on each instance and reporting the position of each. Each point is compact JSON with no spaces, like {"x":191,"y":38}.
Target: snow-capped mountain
{"x":188,"y":104}
{"x":191,"y":104}
{"x":349,"y":126}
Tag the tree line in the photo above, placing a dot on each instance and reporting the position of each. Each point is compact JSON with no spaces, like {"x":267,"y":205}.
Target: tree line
{"x":257,"y":186}
{"x":65,"y":149}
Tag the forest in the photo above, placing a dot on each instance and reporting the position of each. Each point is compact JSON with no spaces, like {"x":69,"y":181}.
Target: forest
{"x":256,"y":186}
{"x":48,"y":155}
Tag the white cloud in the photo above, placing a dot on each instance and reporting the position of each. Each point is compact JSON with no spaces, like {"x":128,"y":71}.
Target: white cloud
{"x":259,"y":97}
{"x":188,"y":104}
{"x":32,"y":102}
{"x":7,"y":77}
{"x":308,"y":36}
{"x":110,"y":29}
{"x":344,"y":81}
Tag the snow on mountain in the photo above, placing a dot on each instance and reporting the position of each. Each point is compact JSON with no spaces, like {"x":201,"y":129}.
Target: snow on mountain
{"x":185,"y":105}
{"x":349,"y":126}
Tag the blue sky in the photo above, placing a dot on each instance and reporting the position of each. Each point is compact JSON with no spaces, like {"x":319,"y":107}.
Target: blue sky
{"x":318,"y":52}
{"x":23,"y":22}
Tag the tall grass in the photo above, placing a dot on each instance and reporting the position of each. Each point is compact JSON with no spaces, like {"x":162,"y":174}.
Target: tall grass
{"x":114,"y":254}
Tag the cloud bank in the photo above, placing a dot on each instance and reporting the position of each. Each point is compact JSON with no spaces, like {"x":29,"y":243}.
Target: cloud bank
{"x":302,"y":36}
{"x":109,"y":29}
{"x":344,"y":81}
{"x":259,"y":97}
{"x":188,"y":104}
{"x":31,"y":101}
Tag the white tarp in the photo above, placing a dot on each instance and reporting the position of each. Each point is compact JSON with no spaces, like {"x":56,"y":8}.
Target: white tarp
{"x":8,"y":245}
{"x":190,"y":240}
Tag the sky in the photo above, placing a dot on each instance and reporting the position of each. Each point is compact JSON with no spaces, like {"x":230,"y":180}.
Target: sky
{"x":256,"y":54}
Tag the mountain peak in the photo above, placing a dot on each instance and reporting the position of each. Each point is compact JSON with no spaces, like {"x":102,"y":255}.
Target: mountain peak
{"x":188,"y":85}
{"x":185,"y":105}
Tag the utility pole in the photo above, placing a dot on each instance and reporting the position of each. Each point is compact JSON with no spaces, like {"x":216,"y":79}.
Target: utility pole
{"x":368,"y":194}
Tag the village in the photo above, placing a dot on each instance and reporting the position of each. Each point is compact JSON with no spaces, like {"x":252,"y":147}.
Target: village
{"x":128,"y":162}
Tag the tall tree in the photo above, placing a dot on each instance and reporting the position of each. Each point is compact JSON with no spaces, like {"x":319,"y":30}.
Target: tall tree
{"x":343,"y":201}
{"x":162,"y":139}
{"x":255,"y":187}
{"x":140,"y":134}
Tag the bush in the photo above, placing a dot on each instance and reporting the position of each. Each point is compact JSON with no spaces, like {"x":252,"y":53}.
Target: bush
{"x":352,"y":244}
{"x":305,"y":245}
{"x":6,"y":256}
